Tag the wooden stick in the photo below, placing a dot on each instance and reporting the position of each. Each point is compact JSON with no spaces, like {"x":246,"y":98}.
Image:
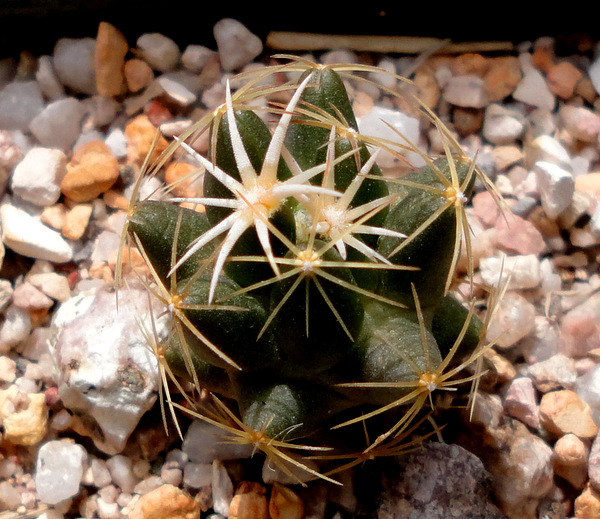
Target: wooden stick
{"x":296,"y":41}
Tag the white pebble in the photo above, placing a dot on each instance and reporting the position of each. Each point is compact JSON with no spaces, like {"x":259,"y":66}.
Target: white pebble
{"x":222,"y":488}
{"x":519,"y":271}
{"x":466,"y":91}
{"x":197,"y":475}
{"x":501,"y":125}
{"x":59,"y":469}
{"x":8,"y":369}
{"x":512,"y":321}
{"x":195,"y":57}
{"x":386,"y":123}
{"x":121,"y":471}
{"x":236,"y":44}
{"x":533,"y":90}
{"x":101,"y":476}
{"x":159,"y":51}
{"x":15,"y":328}
{"x":73,"y":60}
{"x":59,"y":123}
{"x":28,"y":236}
{"x":204,"y":443}
{"x":52,"y":284}
{"x":556,"y":187}
{"x":37,"y":177}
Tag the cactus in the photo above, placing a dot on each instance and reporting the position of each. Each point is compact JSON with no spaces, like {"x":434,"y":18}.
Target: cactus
{"x":307,"y":292}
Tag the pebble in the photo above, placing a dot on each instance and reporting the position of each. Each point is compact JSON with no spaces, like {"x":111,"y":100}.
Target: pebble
{"x":517,"y":271}
{"x":92,"y":170}
{"x":204,"y":443}
{"x":20,"y":103}
{"x":109,"y":60}
{"x":112,"y":379}
{"x":222,"y":488}
{"x":159,"y":51}
{"x":512,"y":321}
{"x":249,"y":502}
{"x":546,"y":148}
{"x":556,"y":372}
{"x":386,"y":123}
{"x":52,"y":284}
{"x":502,"y":77}
{"x":236,"y":45}
{"x":563,"y":412}
{"x":518,"y":236}
{"x":562,"y":79}
{"x":533,"y":90}
{"x":197,"y":475}
{"x":28,"y":236}
{"x":58,"y":124}
{"x":73,"y":60}
{"x":437,"y":481}
{"x":138,"y":74}
{"x":76,"y":221}
{"x":520,"y":402}
{"x":8,"y":369}
{"x":284,"y":503}
{"x":587,"y":504}
{"x":502,"y":125}
{"x":141,"y":134}
{"x":196,"y":57}
{"x":571,"y":460}
{"x":28,"y":297}
{"x":24,"y":416}
{"x":37,"y":177}
{"x":583,"y":124}
{"x":467,"y":91}
{"x":47,"y":80}
{"x":55,"y":457}
{"x":166,"y":501}
{"x":556,"y":187}
{"x":121,"y":472}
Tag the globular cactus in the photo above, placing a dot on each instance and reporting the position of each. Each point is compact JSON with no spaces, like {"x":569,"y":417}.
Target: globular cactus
{"x":306,"y":291}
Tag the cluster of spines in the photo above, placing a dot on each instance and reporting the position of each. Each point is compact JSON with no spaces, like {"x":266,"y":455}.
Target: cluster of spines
{"x":306,"y":290}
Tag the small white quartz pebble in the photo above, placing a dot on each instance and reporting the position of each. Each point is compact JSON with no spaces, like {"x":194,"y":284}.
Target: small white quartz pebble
{"x":15,"y":328}
{"x":236,"y":44}
{"x":197,"y":475}
{"x":512,"y":321}
{"x":466,"y":91}
{"x":205,"y":442}
{"x":37,"y":177}
{"x":556,"y":187}
{"x":121,"y":471}
{"x":519,"y":271}
{"x":195,"y":57}
{"x":59,"y":123}
{"x":73,"y":60}
{"x":28,"y":236}
{"x":222,"y":488}
{"x":58,"y":471}
{"x":159,"y":51}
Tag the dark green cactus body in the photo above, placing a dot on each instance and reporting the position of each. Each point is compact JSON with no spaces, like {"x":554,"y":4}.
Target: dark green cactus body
{"x":306,"y":326}
{"x":155,"y":225}
{"x":319,"y":320}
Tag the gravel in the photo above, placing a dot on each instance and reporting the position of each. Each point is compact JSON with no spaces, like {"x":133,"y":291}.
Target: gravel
{"x":76,"y":124}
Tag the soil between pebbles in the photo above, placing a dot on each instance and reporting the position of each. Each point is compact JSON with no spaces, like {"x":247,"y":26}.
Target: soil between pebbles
{"x":75,"y":127}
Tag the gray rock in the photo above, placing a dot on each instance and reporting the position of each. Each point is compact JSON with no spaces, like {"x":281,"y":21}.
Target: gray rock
{"x":20,"y":102}
{"x":438,"y":481}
